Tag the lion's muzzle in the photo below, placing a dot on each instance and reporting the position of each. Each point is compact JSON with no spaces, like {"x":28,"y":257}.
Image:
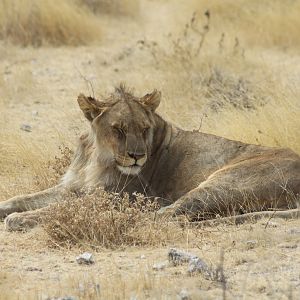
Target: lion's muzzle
{"x":132,"y":163}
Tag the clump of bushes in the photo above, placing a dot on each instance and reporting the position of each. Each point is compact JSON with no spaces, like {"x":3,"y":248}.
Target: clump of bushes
{"x":47,"y":22}
{"x":102,"y":219}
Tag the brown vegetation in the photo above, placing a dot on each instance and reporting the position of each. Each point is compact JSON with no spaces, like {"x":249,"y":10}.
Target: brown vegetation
{"x":106,"y":220}
{"x":248,"y":57}
{"x":46,"y":22}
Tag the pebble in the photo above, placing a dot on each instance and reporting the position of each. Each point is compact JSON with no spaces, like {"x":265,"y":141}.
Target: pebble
{"x":33,"y":269}
{"x":196,"y":264}
{"x":60,"y":298}
{"x":178,"y":257}
{"x":184,"y":295}
{"x":251,"y":244}
{"x":288,"y":245}
{"x":159,"y":266}
{"x":295,"y":231}
{"x":270,"y":224}
{"x":26,"y":127}
{"x":85,"y":258}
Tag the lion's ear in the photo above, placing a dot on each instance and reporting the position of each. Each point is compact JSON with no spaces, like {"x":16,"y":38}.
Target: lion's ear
{"x":152,"y":100}
{"x":90,"y":106}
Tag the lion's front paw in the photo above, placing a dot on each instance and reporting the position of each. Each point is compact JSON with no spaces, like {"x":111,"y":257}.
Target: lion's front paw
{"x":20,"y":221}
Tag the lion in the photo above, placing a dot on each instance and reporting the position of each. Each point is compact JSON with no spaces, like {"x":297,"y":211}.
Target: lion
{"x":130,"y":148}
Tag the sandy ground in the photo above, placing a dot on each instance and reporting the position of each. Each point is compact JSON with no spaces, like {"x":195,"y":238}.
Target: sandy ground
{"x":39,"y":88}
{"x":259,"y":261}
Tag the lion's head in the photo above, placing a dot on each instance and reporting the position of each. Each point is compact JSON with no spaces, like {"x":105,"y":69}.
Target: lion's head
{"x":123,"y":126}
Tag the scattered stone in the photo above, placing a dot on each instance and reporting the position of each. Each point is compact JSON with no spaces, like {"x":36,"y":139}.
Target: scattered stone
{"x":34,"y":113}
{"x":295,"y":231}
{"x":33,"y":269}
{"x":85,"y":258}
{"x":159,"y":266}
{"x":288,"y":245}
{"x":143,"y":256}
{"x":26,"y":127}
{"x":251,"y":244}
{"x":197,"y":265}
{"x":178,"y":257}
{"x":184,"y":295}
{"x":60,"y":298}
{"x":270,"y":224}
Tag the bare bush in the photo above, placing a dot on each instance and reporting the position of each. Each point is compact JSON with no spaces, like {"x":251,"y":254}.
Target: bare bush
{"x":107,"y":220}
{"x":38,"y":22}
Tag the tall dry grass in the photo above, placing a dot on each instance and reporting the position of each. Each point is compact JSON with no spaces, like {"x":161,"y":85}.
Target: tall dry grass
{"x":108,"y":220}
{"x":257,"y":22}
{"x":46,"y":22}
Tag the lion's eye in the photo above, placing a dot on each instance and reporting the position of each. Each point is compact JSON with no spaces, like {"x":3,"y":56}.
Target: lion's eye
{"x":145,"y":130}
{"x":120,"y":132}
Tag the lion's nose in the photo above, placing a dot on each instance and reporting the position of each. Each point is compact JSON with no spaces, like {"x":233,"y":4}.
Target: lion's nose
{"x":136,"y":155}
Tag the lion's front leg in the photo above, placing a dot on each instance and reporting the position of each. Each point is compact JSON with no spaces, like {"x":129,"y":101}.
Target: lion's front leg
{"x":30,"y":201}
{"x":24,"y":220}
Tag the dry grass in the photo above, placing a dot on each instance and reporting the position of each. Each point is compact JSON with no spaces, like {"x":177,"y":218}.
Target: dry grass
{"x":257,"y":22}
{"x":106,"y":220}
{"x":37,"y":23}
{"x":221,"y":82}
{"x":243,"y":83}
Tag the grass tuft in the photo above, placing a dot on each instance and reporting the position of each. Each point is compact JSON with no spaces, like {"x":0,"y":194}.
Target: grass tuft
{"x":107,"y":220}
{"x":46,"y":22}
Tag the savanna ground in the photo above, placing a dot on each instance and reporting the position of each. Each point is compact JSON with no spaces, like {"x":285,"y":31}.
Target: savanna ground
{"x":229,"y":68}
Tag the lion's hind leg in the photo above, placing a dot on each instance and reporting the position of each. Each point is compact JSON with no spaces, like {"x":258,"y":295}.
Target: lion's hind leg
{"x":246,"y":187}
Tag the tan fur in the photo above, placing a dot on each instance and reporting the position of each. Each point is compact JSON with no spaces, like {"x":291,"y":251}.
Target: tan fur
{"x":130,"y":148}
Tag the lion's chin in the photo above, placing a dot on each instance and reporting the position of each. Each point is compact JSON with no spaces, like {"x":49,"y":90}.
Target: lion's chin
{"x":132,"y":170}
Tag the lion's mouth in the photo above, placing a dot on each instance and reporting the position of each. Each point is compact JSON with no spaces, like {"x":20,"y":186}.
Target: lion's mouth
{"x":130,"y":170}
{"x":129,"y":166}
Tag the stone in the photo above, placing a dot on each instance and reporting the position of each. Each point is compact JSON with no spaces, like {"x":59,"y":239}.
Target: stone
{"x":295,"y":231}
{"x":270,"y":224}
{"x":184,"y":295}
{"x":159,"y":266}
{"x":178,"y":257}
{"x":197,"y":265}
{"x":251,"y":244}
{"x":33,"y":269}
{"x":26,"y":127}
{"x":85,"y":258}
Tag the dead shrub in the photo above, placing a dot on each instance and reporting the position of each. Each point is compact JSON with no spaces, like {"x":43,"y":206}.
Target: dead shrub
{"x":39,"y":22}
{"x":107,"y":220}
{"x":206,"y":67}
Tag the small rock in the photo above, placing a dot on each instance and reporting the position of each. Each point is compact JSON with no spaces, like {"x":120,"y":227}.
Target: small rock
{"x":184,"y":295}
{"x":178,"y":257}
{"x":288,"y":245}
{"x":33,"y":269}
{"x":26,"y":127}
{"x":251,"y":244}
{"x":196,"y":264}
{"x":295,"y":231}
{"x":85,"y":258}
{"x":270,"y":224}
{"x":34,"y":113}
{"x":59,"y":298}
{"x":159,"y":266}
{"x":143,"y":256}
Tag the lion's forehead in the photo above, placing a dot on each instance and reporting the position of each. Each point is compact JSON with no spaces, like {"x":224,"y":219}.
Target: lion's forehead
{"x":132,"y":116}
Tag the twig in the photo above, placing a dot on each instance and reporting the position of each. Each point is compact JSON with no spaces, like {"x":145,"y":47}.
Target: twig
{"x":87,"y":81}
